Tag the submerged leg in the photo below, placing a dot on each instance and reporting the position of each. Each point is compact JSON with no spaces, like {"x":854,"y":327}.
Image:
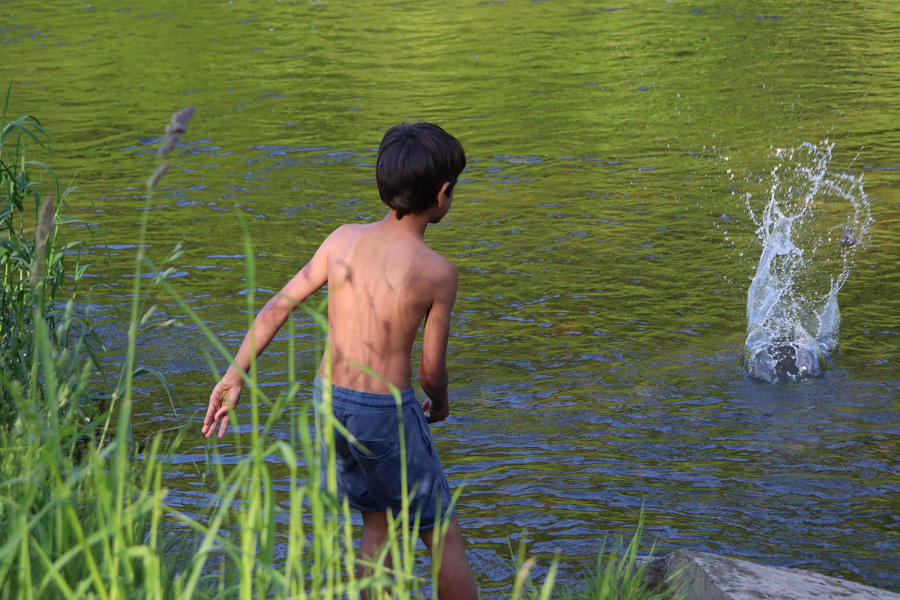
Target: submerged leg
{"x":375,"y":532}
{"x":455,"y":580}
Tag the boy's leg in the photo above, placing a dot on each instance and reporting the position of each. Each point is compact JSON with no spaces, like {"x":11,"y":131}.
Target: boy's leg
{"x":375,"y":532}
{"x":455,"y":580}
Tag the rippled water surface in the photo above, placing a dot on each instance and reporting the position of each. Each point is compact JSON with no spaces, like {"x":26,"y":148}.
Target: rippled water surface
{"x":601,"y":233}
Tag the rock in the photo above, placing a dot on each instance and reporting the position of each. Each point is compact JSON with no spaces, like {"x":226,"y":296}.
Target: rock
{"x":703,"y":576}
{"x":849,"y":237}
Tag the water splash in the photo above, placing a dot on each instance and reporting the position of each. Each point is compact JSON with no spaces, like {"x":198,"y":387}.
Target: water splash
{"x":811,"y":222}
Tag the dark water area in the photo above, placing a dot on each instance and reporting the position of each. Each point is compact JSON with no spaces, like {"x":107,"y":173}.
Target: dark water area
{"x":601,"y":233}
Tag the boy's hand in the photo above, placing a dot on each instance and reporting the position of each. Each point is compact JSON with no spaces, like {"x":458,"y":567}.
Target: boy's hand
{"x":432,"y":415}
{"x":223,"y":399}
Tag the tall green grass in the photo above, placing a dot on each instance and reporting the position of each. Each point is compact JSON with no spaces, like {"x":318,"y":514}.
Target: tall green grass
{"x":620,"y":575}
{"x":84,"y":513}
{"x":34,"y":272}
{"x":75,"y":509}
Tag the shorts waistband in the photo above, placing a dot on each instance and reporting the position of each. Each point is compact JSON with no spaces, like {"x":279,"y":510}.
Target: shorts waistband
{"x":364,"y":399}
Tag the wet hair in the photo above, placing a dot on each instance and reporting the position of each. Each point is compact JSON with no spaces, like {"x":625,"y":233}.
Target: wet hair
{"x":414,"y":161}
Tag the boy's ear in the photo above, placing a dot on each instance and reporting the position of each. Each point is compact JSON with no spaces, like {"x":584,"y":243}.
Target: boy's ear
{"x":444,"y":193}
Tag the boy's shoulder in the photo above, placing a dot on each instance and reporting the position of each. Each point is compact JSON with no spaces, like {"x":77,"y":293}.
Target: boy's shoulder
{"x":437,"y":272}
{"x":346,"y":230}
{"x":439,"y":266}
{"x":414,"y":250}
{"x":342,"y":236}
{"x":432,"y":263}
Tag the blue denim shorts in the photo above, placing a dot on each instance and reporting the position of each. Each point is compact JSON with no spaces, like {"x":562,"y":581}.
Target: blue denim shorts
{"x":368,"y":472}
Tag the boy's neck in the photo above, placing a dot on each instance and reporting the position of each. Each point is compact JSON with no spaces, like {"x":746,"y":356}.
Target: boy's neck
{"x":411,"y":224}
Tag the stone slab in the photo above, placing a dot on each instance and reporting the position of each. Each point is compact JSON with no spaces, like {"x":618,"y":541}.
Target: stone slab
{"x":703,"y":576}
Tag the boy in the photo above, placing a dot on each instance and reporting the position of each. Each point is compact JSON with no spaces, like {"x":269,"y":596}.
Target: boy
{"x":383,"y":280}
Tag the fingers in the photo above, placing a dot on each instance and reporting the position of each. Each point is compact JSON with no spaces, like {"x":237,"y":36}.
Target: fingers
{"x":223,"y":398}
{"x":209,"y":423}
{"x":212,"y":419}
{"x":433,"y":416}
{"x":224,"y":426}
{"x":222,"y":414}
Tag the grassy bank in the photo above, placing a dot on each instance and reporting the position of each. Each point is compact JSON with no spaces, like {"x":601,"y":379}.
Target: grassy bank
{"x":84,"y":511}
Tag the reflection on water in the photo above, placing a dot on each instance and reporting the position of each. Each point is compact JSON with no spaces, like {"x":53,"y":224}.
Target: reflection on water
{"x":595,"y":352}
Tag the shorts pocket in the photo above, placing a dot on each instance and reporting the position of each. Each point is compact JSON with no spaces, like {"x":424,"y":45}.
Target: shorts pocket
{"x":381,"y":466}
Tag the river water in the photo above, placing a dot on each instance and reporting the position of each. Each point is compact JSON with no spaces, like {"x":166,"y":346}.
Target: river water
{"x":601,"y":231}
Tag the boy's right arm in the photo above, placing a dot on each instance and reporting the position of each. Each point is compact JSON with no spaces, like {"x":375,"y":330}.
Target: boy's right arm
{"x":273,"y":315}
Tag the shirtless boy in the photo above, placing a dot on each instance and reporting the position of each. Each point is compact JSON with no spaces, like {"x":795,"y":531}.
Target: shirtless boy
{"x":383,"y":281}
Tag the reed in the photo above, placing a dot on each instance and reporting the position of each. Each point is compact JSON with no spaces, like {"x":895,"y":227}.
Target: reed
{"x":34,"y":270}
{"x":73,"y":522}
{"x":85,"y":513}
{"x":620,"y":575}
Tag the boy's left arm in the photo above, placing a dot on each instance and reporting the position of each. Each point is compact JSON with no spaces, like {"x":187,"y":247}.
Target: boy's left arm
{"x":433,"y":375}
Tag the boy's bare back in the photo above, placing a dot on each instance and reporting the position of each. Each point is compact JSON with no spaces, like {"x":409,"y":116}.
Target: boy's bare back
{"x":383,"y":280}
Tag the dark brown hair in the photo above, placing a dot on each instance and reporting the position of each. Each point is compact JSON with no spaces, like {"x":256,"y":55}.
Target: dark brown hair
{"x":414,"y":161}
